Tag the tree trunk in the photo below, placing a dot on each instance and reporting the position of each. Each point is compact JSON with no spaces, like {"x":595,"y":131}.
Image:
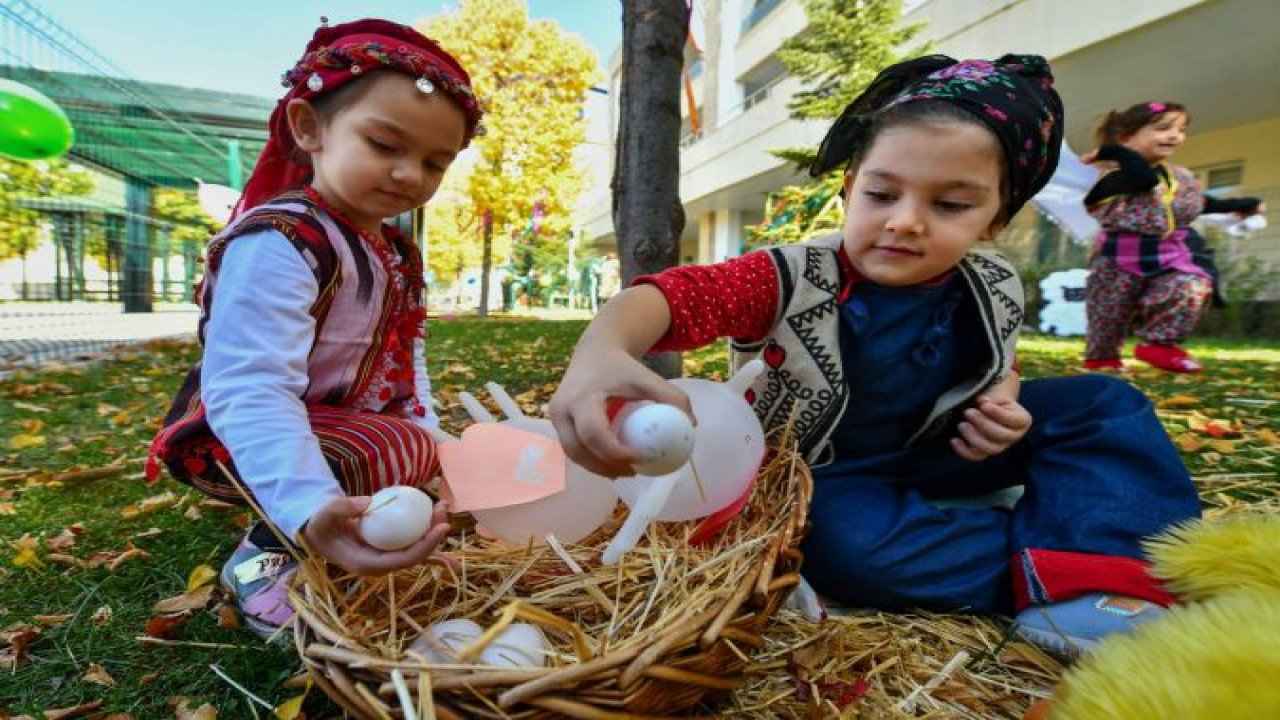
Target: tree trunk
{"x":486,"y":264}
{"x":647,"y":214}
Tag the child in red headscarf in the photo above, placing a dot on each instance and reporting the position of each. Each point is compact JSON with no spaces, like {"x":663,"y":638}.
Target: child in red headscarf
{"x":312,"y":393}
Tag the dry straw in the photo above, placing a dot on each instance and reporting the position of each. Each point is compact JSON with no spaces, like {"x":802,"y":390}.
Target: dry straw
{"x":671,"y":630}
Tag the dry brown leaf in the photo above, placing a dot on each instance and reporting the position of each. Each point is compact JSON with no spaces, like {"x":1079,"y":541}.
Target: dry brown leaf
{"x":196,"y":599}
{"x":67,"y":713}
{"x":31,"y":408}
{"x":52,"y":619}
{"x":13,"y":644}
{"x":8,"y":508}
{"x":99,"y":676}
{"x":64,"y":559}
{"x":112,"y":559}
{"x":64,"y":540}
{"x":182,"y":710}
{"x":116,"y":467}
{"x":228,"y":617}
{"x":157,"y":502}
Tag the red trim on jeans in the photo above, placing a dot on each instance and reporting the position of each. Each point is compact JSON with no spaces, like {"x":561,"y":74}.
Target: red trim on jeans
{"x":1066,"y":575}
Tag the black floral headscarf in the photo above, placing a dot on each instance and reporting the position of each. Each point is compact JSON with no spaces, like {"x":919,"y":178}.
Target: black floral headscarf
{"x":1013,"y":96}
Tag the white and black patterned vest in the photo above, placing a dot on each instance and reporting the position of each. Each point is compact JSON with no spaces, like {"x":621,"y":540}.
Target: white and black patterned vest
{"x":804,"y":372}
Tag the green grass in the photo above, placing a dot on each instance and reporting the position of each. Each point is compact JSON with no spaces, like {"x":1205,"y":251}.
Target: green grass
{"x":92,"y":416}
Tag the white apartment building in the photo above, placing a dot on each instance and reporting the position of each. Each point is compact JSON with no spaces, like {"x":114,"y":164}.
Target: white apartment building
{"x":1219,"y":57}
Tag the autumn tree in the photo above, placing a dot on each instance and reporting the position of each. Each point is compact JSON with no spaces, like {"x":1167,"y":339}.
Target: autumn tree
{"x":647,"y":214}
{"x":532,"y":78}
{"x":190,"y":223}
{"x":839,"y":53}
{"x":21,"y":181}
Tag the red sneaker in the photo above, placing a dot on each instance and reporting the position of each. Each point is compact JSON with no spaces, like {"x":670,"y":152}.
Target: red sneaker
{"x":1109,"y":364}
{"x":1167,"y":357}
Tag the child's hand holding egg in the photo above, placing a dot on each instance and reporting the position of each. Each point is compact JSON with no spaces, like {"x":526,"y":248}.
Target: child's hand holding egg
{"x":397,"y":516}
{"x":661,"y":434}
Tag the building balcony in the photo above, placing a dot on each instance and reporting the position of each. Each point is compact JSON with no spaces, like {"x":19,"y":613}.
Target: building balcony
{"x":730,"y":166}
{"x":759,"y":42}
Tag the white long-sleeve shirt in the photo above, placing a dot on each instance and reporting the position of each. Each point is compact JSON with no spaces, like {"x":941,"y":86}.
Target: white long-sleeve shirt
{"x":254,"y":374}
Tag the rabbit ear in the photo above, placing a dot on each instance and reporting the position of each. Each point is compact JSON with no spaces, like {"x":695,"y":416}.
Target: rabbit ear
{"x":440,"y":436}
{"x":479,"y":413}
{"x":506,"y":403}
{"x":745,"y":375}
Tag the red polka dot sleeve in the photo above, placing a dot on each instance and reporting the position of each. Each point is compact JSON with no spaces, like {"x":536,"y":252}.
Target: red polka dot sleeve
{"x":736,"y":298}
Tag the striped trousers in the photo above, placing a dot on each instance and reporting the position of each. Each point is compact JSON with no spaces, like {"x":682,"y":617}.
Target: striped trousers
{"x":367,"y":451}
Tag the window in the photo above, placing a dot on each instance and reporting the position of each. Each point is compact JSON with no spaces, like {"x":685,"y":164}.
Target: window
{"x":759,"y":9}
{"x":757,"y":83}
{"x":1221,"y":180}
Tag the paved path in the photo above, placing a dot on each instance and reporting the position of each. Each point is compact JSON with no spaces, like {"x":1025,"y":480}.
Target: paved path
{"x":32,"y":333}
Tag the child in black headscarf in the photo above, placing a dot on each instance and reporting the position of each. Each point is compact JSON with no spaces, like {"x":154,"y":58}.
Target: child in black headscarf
{"x":892,"y":344}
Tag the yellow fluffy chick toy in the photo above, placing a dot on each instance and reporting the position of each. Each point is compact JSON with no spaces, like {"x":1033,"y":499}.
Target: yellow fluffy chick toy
{"x":1217,"y":657}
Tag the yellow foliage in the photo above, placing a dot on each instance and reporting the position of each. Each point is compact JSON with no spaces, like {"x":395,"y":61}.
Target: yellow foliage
{"x":532,"y":78}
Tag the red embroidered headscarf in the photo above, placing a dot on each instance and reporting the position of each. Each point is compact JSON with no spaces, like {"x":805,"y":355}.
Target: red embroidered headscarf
{"x":334,"y":57}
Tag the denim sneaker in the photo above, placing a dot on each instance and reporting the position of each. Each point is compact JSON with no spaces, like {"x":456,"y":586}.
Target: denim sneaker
{"x":258,"y":580}
{"x":1070,"y":628}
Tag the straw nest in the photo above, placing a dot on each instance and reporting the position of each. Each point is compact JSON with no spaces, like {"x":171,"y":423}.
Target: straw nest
{"x":668,"y":631}
{"x":674,"y":630}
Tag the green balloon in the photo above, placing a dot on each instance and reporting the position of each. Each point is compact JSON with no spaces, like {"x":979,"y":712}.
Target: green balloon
{"x":32,"y":127}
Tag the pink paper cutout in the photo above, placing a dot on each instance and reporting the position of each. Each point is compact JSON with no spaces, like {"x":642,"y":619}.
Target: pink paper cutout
{"x":494,"y":465}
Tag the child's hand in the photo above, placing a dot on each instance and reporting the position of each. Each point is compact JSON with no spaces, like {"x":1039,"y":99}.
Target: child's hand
{"x":579,"y":406}
{"x":990,"y":427}
{"x":333,"y":533}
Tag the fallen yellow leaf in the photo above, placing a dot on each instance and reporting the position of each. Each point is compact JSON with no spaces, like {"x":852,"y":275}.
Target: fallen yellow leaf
{"x":1269,"y":437}
{"x":1223,"y":446}
{"x":1189,"y":443}
{"x":291,"y":708}
{"x":23,"y":441}
{"x":200,"y":576}
{"x":1180,"y":401}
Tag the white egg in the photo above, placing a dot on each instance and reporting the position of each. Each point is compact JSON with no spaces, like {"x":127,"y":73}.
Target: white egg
{"x":451,"y":634}
{"x":520,"y":645}
{"x":396,"y":517}
{"x":661,"y":434}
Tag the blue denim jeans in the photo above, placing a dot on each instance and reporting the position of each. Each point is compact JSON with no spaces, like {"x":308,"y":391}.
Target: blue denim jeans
{"x":1100,"y":475}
